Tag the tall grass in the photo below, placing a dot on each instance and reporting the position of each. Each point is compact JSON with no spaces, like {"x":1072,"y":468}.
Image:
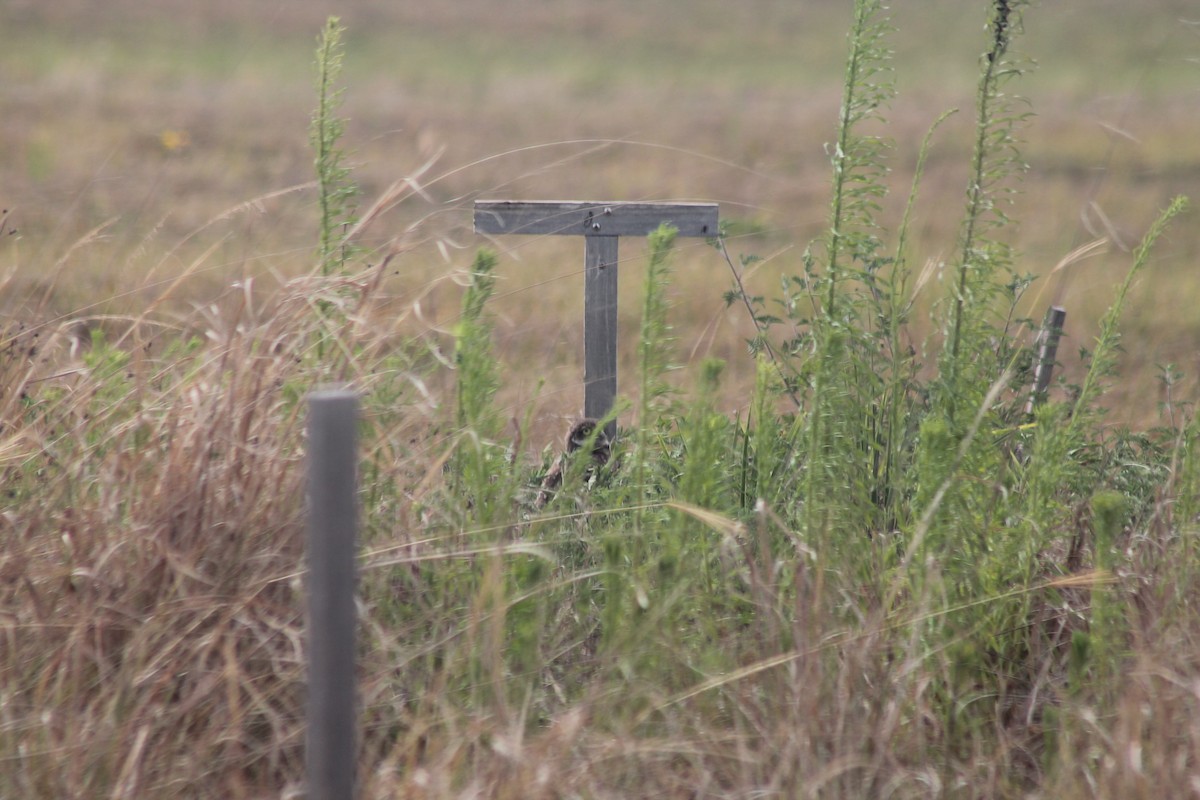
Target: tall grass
{"x":882,"y":580}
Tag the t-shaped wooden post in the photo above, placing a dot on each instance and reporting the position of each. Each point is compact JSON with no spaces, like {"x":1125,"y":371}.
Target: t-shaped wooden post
{"x":600,"y":224}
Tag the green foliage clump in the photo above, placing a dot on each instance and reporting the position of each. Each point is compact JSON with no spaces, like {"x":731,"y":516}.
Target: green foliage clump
{"x":480,"y":455}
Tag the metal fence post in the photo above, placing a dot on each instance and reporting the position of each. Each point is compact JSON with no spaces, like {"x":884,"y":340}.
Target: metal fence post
{"x":332,"y":730}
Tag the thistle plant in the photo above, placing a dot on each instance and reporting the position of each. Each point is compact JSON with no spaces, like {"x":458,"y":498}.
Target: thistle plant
{"x":984,"y":261}
{"x":858,"y":158}
{"x":900,"y":404}
{"x":654,"y":342}
{"x":1059,"y":431}
{"x":1109,"y":512}
{"x":477,"y":421}
{"x":654,"y":357}
{"x":845,"y":369}
{"x":654,"y":348}
{"x":1107,"y":346}
{"x":335,"y":190}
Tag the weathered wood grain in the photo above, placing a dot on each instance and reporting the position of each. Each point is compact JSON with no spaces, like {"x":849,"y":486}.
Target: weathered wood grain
{"x":600,"y":327}
{"x":1047,"y":355}
{"x":600,"y":223}
{"x":574,"y":218}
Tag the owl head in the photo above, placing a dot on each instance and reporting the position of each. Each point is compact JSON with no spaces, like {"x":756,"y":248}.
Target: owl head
{"x":584,"y":430}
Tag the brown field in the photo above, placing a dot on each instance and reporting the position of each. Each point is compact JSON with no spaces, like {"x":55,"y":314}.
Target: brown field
{"x":143,"y":139}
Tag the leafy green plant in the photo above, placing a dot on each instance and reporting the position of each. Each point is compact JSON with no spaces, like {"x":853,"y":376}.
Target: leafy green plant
{"x":983,"y":259}
{"x":480,"y":453}
{"x":335,"y":190}
{"x":1109,"y":512}
{"x":654,"y":358}
{"x":858,"y":158}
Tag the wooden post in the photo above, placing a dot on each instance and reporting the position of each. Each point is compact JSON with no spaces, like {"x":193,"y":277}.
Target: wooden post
{"x":332,"y":731}
{"x":1047,"y":354}
{"x":600,"y":224}
{"x":599,"y":326}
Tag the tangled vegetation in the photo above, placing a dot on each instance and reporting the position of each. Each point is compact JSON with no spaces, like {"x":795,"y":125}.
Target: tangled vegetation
{"x":887,"y":579}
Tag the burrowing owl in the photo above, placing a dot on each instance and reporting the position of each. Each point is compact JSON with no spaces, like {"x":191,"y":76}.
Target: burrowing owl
{"x":577,"y":439}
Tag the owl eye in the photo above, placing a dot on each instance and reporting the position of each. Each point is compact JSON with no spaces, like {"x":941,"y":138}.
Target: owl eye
{"x":580,"y":433}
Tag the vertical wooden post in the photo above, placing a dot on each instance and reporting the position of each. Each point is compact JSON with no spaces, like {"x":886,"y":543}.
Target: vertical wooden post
{"x":330,"y":747}
{"x":600,"y":224}
{"x":1047,"y":355}
{"x":600,"y":328}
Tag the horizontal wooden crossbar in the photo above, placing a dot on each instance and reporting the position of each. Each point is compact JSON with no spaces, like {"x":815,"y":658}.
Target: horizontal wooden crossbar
{"x":573,"y":218}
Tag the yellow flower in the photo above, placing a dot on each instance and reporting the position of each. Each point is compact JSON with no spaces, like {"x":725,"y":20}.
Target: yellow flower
{"x":173,"y":141}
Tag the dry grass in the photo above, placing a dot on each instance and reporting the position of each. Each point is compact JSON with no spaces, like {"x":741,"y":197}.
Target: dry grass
{"x":161,"y":330}
{"x":153,"y":642}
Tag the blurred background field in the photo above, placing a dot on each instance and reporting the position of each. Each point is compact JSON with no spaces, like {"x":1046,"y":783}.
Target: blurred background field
{"x":142,"y":141}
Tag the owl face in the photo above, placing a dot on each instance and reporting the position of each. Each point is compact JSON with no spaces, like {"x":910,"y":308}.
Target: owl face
{"x":578,"y":439}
